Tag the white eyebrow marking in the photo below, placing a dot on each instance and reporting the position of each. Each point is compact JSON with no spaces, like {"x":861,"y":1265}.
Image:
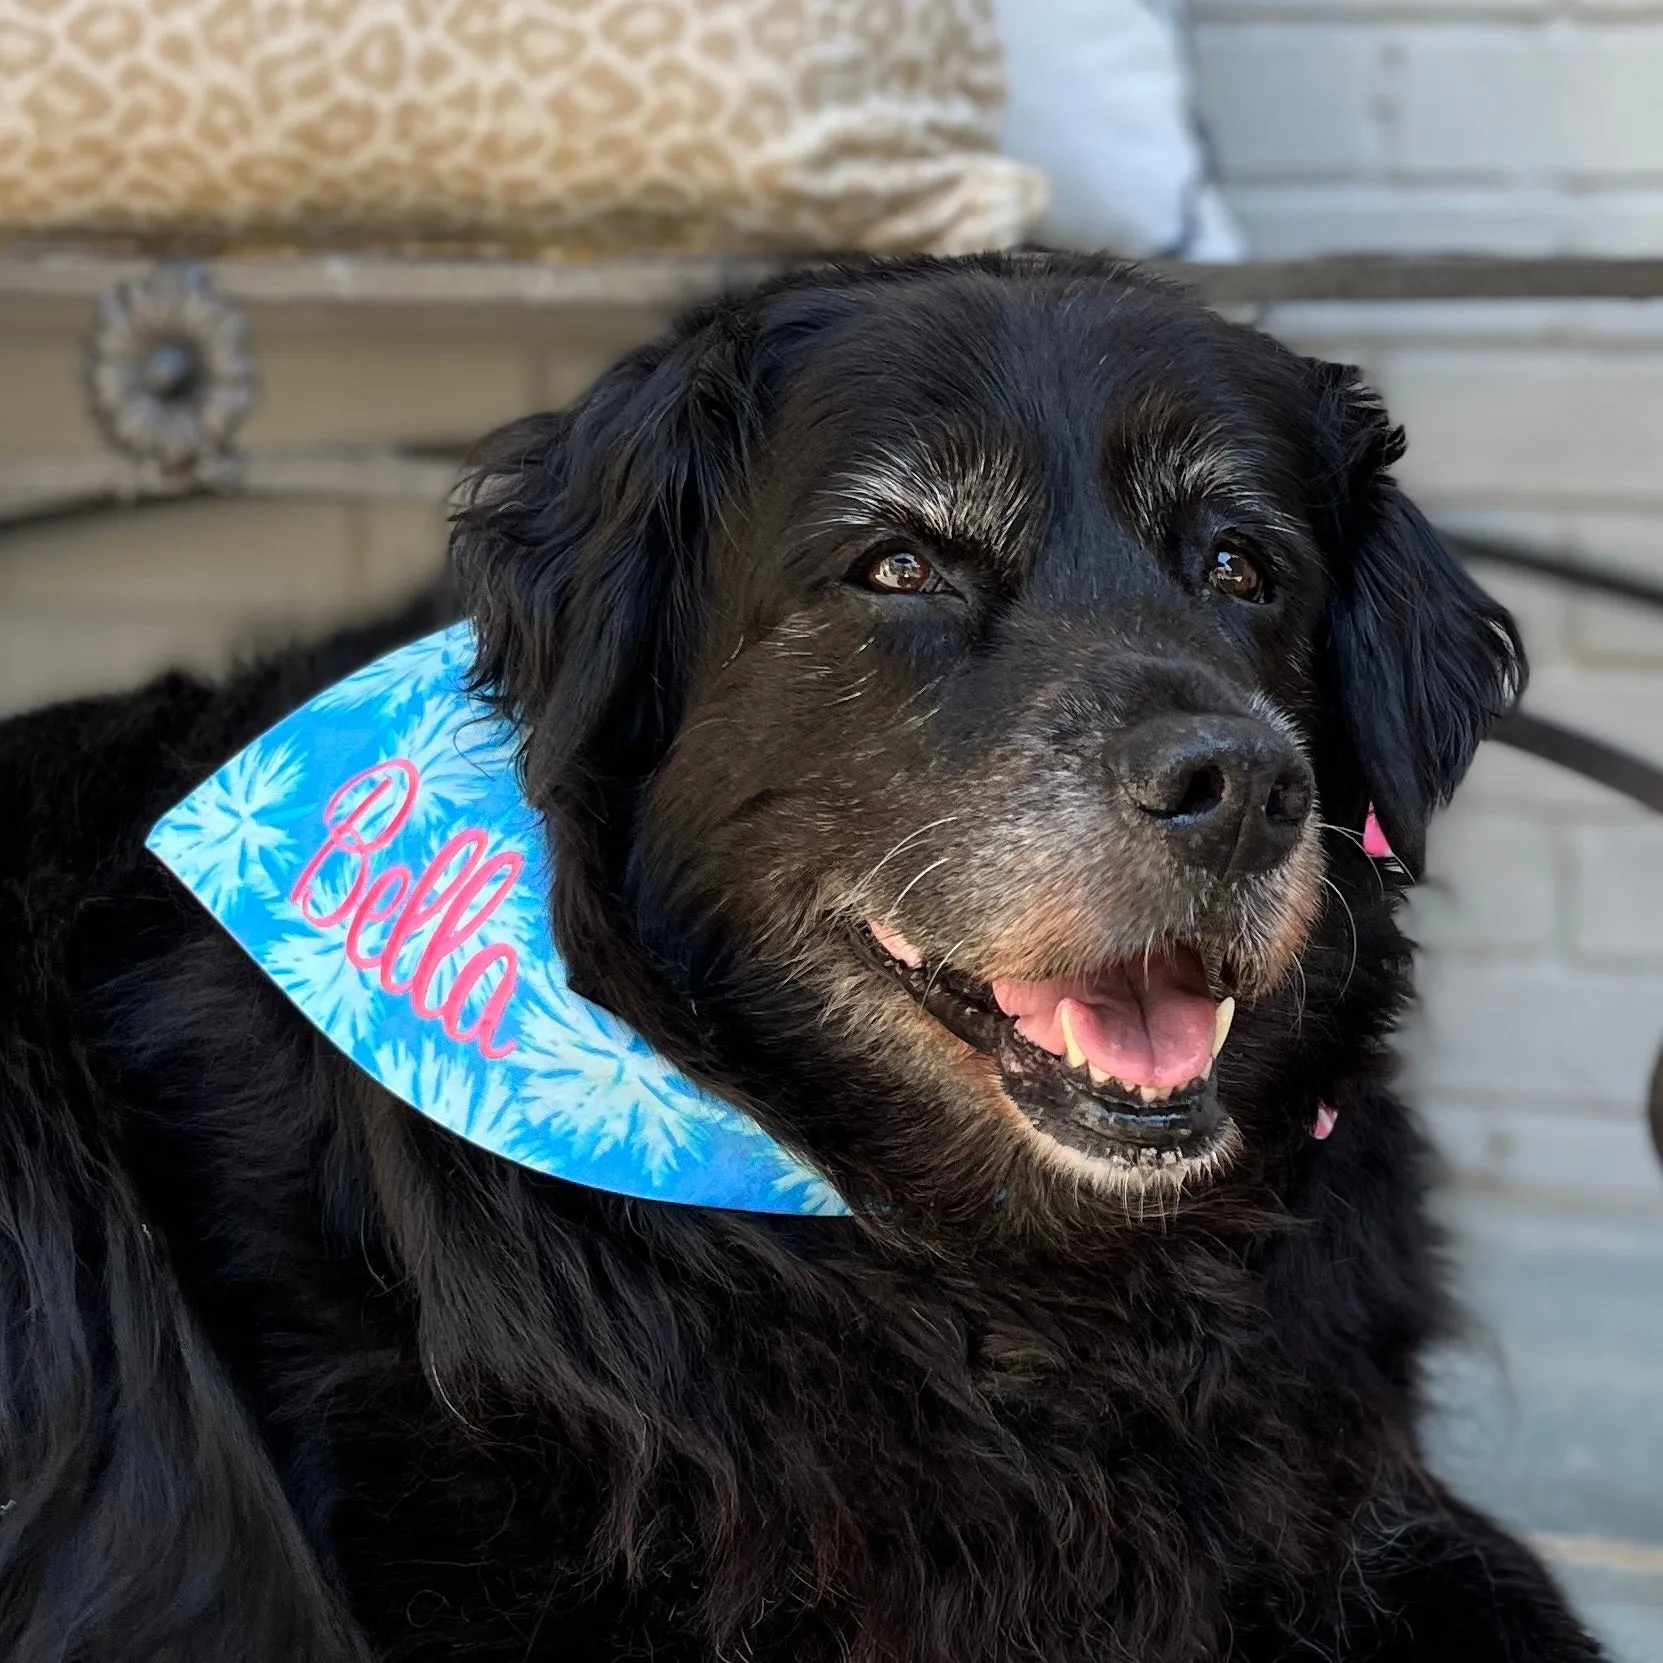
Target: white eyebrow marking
{"x":1161,"y":458}
{"x":957,"y":488}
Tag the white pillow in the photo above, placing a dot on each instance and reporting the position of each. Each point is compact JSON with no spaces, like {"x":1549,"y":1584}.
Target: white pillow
{"x":1099,"y":97}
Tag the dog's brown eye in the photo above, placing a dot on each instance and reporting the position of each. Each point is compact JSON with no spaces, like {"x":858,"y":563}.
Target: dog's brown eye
{"x":1235,"y":575}
{"x":900,"y":571}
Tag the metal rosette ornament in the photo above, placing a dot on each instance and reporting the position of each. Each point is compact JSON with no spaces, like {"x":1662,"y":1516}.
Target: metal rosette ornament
{"x":169,"y":376}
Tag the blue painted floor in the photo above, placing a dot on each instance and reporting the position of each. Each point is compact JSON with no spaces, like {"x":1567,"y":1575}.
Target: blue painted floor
{"x":1552,"y":1419}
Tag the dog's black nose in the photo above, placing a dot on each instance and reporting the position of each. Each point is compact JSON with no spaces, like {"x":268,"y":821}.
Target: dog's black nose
{"x":1229,"y":793}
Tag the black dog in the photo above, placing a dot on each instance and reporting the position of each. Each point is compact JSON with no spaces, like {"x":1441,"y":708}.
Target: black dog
{"x":952,"y":688}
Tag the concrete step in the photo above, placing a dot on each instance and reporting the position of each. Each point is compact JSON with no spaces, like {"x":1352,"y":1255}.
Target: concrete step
{"x":1551,"y":1417}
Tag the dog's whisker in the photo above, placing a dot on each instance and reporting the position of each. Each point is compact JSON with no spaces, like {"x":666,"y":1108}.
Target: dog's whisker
{"x":1340,"y":831}
{"x":941,"y":964}
{"x":1357,"y":838}
{"x":917,"y":879}
{"x":907,"y":841}
{"x":1303,"y":997}
{"x":706,"y":722}
{"x":919,"y":692}
{"x":1351,"y":922}
{"x":856,"y":690}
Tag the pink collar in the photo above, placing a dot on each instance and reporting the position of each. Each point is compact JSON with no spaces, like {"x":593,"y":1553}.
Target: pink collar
{"x":1375,"y":845}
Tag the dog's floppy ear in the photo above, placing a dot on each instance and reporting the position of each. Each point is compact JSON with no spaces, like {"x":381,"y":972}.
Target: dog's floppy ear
{"x":579,"y":549}
{"x":1421,"y":658}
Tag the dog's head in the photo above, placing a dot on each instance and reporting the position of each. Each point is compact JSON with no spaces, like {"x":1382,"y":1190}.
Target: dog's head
{"x":947,"y":684}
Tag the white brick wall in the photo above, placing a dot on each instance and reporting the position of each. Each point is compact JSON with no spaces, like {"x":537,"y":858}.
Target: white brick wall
{"x":92,"y":604}
{"x":1521,"y":126}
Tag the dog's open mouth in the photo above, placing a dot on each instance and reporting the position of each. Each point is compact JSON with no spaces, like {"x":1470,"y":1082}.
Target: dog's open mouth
{"x":1117,"y":1064}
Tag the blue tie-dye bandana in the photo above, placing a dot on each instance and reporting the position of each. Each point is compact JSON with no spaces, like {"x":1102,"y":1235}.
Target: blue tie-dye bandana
{"x":374,"y":855}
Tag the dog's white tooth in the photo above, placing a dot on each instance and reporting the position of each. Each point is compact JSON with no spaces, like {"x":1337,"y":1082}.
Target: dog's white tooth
{"x":1222,"y":1018}
{"x":1098,"y":1077}
{"x":1169,"y":1157}
{"x":1076,"y":1057}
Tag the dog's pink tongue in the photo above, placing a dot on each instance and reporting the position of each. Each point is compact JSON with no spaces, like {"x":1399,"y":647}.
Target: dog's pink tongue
{"x":1145,"y":1025}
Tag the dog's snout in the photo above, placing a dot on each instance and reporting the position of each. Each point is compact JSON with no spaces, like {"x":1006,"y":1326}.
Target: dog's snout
{"x":1227,"y":792}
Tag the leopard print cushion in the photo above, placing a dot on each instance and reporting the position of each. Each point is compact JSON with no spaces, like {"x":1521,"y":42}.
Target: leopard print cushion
{"x":568,"y":127}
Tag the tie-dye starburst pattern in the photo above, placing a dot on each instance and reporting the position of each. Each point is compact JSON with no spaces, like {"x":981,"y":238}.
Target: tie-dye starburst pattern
{"x":409,"y":923}
{"x":226,"y":845}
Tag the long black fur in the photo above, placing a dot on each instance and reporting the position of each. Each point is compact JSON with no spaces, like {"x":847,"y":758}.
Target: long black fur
{"x":289,"y":1374}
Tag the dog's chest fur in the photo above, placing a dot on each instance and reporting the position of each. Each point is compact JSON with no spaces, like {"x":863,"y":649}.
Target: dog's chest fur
{"x":727,"y":1433}
{"x":698,"y":1432}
